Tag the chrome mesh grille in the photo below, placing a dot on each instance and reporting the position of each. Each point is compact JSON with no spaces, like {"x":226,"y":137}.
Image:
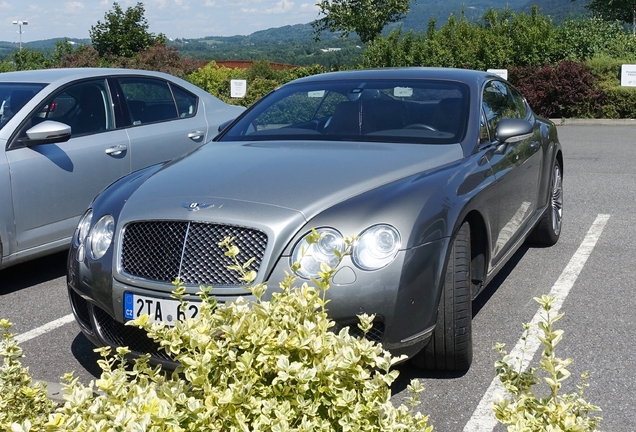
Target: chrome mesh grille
{"x":136,"y":339}
{"x":376,"y":334}
{"x":164,"y":250}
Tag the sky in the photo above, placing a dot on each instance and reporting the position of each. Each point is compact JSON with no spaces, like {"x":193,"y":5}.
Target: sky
{"x":190,"y":19}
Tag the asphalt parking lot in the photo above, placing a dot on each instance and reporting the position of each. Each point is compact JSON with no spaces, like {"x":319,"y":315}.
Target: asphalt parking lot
{"x":591,"y":268}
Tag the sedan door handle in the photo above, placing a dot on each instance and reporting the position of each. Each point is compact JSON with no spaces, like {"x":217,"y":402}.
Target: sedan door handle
{"x":116,"y":150}
{"x":196,"y":135}
{"x":535,"y":145}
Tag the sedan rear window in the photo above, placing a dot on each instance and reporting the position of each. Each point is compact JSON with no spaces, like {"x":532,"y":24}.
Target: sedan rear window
{"x":404,"y":111}
{"x":13,"y":96}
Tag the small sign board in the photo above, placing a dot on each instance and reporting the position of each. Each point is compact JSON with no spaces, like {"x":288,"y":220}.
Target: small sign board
{"x":628,"y":75}
{"x":238,"y":88}
{"x":499,"y":72}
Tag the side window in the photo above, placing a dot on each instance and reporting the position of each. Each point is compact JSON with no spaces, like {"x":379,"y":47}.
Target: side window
{"x":484,"y":136}
{"x":186,"y":102}
{"x":86,"y":107}
{"x":519,"y":102}
{"x":149,"y":100}
{"x":501,"y":101}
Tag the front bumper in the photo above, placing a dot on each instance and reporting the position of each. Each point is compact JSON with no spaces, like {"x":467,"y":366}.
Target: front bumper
{"x":404,"y":297}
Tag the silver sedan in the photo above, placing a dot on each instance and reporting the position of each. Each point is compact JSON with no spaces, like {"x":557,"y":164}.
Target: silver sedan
{"x":65,"y":134}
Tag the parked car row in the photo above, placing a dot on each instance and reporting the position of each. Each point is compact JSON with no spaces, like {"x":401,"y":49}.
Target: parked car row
{"x":441,"y":174}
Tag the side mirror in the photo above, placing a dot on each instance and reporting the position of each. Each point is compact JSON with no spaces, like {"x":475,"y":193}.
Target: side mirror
{"x":47,"y":132}
{"x":225,"y":124}
{"x":511,"y":130}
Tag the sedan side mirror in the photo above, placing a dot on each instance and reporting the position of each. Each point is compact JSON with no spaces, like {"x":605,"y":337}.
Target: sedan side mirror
{"x":225,"y":124}
{"x":47,"y":132}
{"x":511,"y":130}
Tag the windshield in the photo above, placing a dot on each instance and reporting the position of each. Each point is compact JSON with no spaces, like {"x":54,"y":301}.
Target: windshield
{"x":404,"y":111}
{"x":13,"y":96}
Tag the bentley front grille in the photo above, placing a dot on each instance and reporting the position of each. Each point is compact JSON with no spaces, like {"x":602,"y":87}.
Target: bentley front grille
{"x":165,"y":250}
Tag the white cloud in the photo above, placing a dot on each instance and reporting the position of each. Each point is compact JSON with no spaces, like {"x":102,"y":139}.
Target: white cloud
{"x":161,"y":4}
{"x":6,"y":5}
{"x":283,"y":6}
{"x":309,"y":7}
{"x":73,"y":7}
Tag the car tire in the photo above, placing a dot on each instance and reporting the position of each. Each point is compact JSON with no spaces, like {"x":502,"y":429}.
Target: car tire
{"x":548,"y":229}
{"x":451,"y":346}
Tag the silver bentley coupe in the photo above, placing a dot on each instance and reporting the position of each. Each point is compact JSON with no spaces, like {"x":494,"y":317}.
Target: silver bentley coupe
{"x":440,"y":175}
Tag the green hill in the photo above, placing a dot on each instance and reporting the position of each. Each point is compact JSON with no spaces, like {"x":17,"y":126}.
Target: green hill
{"x":295,"y":44}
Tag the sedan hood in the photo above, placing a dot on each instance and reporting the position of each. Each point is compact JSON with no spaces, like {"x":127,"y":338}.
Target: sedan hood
{"x":304,"y":177}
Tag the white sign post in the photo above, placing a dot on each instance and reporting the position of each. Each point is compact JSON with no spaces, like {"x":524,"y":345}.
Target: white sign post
{"x":238,"y":88}
{"x":628,"y":75}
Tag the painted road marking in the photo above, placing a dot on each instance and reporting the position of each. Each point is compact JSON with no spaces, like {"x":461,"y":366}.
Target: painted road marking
{"x":31,"y":334}
{"x":483,"y":418}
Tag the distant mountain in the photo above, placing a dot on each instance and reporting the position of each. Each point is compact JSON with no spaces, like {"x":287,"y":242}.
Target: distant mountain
{"x":558,"y":10}
{"x":7,"y":48}
{"x":295,"y":44}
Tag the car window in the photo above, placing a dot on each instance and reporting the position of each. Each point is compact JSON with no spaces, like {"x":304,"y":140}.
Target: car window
{"x":13,"y":96}
{"x":411,"y":111}
{"x":484,"y":135}
{"x":186,"y":102}
{"x":85,"y":106}
{"x":149,"y":100}
{"x":501,"y":101}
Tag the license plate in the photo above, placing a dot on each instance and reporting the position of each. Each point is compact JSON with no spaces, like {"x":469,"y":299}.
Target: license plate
{"x":158,"y":309}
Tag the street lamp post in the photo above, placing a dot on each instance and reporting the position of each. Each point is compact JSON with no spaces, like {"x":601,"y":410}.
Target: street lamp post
{"x":20,"y":24}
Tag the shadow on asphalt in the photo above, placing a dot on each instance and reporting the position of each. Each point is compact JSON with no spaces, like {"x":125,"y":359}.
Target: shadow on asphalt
{"x":33,"y":272}
{"x":494,"y":285}
{"x":82,"y":350}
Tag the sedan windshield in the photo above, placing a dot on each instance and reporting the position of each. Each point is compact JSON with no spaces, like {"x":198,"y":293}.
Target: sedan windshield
{"x":13,"y":96}
{"x":403,"y":111}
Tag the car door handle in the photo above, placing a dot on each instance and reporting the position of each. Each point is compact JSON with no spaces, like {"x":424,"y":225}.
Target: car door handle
{"x":196,"y":135}
{"x":535,"y":145}
{"x":116,"y":150}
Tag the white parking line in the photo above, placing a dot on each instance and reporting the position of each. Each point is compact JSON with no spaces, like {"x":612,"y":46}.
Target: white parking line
{"x":483,"y":418}
{"x":31,"y":334}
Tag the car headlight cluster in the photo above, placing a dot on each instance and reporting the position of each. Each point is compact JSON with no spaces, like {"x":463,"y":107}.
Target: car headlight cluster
{"x":310,"y":255}
{"x":375,"y":248}
{"x":97,"y":239}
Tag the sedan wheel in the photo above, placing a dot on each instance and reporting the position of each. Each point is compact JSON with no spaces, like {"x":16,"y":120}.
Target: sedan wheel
{"x":548,"y":230}
{"x":451,"y":346}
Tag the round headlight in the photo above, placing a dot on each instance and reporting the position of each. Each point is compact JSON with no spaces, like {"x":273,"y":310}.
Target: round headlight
{"x":102,"y":236}
{"x":82,"y":227}
{"x":311,"y":255}
{"x":376,"y":247}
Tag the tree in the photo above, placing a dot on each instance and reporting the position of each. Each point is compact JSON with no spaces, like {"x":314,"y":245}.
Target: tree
{"x":367,"y":18}
{"x":29,"y":59}
{"x":123,"y":33}
{"x":621,"y":10}
{"x":162,"y":58}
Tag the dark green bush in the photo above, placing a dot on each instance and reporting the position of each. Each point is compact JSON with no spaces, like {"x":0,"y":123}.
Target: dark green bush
{"x":565,"y":90}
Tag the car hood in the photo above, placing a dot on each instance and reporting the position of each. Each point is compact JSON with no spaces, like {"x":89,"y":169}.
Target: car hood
{"x":301,"y":177}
